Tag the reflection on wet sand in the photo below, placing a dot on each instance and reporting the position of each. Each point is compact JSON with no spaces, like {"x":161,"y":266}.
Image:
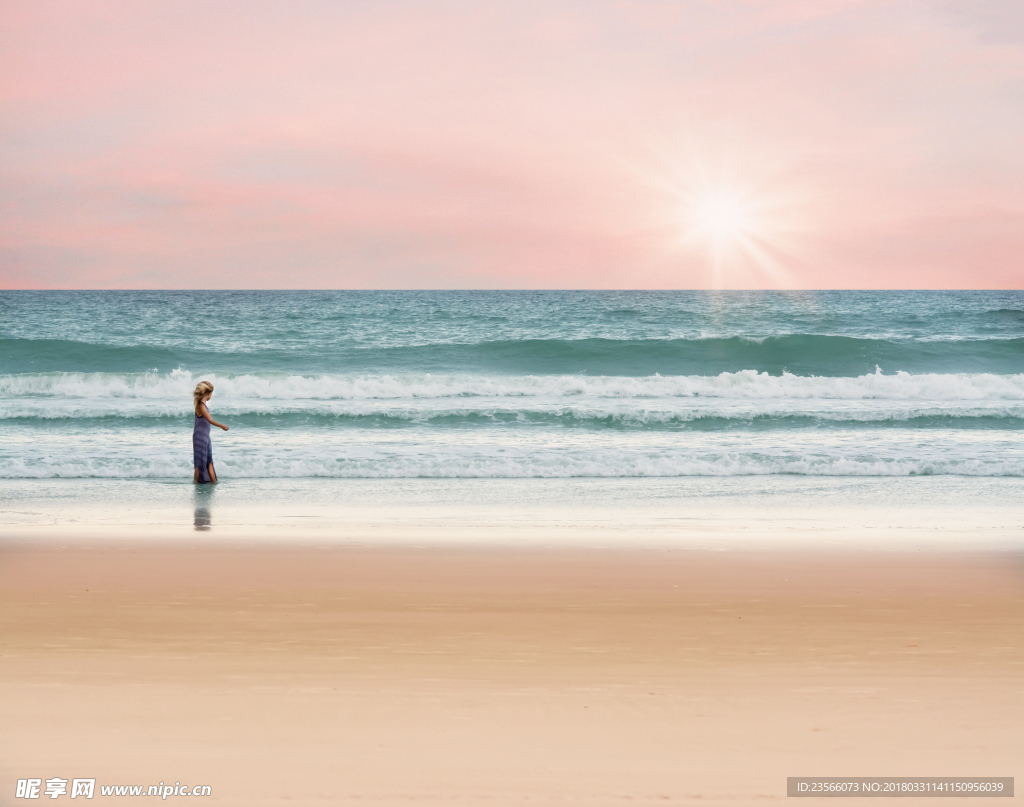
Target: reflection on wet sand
{"x":202,"y":520}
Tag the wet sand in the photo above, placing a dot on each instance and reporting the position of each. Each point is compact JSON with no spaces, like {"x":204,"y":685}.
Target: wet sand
{"x":396,"y":675}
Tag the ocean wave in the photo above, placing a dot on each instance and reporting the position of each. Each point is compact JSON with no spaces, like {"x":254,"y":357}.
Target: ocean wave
{"x":532,"y":384}
{"x":610,"y":463}
{"x":1013,"y":314}
{"x":175,"y":388}
{"x":595,"y":413}
{"x":798,"y":353}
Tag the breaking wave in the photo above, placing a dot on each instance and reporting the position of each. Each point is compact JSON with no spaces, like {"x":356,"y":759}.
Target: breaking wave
{"x":747,"y":384}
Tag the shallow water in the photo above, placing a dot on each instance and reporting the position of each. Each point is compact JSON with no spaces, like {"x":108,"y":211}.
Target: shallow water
{"x":378,"y":385}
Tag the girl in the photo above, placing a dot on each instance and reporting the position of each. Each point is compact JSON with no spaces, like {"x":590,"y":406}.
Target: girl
{"x":202,"y":449}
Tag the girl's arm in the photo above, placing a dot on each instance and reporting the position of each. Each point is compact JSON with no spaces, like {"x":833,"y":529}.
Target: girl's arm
{"x":206,"y":415}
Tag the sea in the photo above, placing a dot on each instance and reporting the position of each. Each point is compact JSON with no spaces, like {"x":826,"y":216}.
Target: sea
{"x":514,"y":384}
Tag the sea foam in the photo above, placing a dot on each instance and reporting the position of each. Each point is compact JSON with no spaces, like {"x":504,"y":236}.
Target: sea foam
{"x":178,"y":385}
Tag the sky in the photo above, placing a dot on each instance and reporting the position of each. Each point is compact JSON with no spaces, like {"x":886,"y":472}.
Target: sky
{"x":488,"y":144}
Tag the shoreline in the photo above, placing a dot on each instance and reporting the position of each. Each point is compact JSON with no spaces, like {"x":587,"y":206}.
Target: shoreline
{"x":923,"y":513}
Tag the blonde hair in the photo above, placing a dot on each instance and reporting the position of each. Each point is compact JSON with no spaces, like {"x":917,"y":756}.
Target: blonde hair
{"x":203,"y":388}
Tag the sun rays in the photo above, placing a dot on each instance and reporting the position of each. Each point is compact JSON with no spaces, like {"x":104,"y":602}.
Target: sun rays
{"x":724,"y":219}
{"x":742,"y":225}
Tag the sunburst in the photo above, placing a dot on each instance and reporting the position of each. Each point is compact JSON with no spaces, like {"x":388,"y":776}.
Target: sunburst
{"x":739,"y":228}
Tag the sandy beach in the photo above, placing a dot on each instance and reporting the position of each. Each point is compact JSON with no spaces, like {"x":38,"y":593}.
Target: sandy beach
{"x":318,"y":673}
{"x":500,"y":404}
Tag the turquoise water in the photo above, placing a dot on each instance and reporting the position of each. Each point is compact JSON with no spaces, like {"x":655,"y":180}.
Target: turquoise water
{"x":514,"y":384}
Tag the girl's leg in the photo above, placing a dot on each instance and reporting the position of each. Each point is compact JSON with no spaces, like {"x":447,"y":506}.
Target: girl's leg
{"x":195,"y":476}
{"x":213,"y":473}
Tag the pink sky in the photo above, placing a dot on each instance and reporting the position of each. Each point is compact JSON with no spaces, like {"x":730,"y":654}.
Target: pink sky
{"x":481,"y":144}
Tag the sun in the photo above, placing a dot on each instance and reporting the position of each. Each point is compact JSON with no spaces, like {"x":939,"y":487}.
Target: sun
{"x":742,"y":229}
{"x":723,"y":218}
{"x":744,"y":222}
{"x":731,"y":224}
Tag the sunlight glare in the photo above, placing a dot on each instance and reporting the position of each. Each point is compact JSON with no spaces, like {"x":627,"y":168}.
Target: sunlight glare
{"x":741,"y":227}
{"x":723,"y":218}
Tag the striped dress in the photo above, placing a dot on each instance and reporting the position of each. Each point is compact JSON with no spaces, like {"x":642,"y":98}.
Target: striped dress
{"x":202,"y":448}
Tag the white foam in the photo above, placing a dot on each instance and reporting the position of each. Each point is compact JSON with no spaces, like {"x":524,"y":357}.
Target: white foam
{"x":537,"y":465}
{"x":177,"y":386}
{"x":68,"y":438}
{"x":624,"y":412}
